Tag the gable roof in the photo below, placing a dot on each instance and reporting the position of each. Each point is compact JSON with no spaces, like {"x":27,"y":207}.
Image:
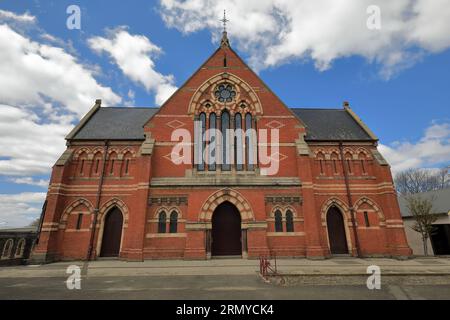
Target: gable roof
{"x":441,"y":202}
{"x":119,"y":123}
{"x":114,"y":123}
{"x":331,"y":125}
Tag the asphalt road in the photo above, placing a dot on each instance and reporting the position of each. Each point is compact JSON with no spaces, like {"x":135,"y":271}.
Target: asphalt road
{"x":202,"y":287}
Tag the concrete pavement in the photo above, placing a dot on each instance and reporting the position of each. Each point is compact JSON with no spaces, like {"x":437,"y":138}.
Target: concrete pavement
{"x":337,"y":278}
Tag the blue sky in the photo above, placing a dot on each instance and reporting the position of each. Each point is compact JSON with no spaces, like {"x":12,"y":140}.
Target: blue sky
{"x":396,"y":78}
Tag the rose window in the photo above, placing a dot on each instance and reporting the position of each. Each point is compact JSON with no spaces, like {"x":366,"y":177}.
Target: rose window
{"x":225,"y":92}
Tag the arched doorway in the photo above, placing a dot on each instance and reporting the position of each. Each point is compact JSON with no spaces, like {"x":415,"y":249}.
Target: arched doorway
{"x":226,"y":231}
{"x":336,"y":231}
{"x":112,"y":233}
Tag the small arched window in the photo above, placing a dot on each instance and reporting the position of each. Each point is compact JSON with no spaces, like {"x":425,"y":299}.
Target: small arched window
{"x":278,"y":221}
{"x":362,"y":162}
{"x":289,"y":221}
{"x":7,"y":249}
{"x":112,"y":162}
{"x":126,"y":164}
{"x":20,"y":248}
{"x":334,"y":161}
{"x":348,"y":161}
{"x":321,"y":158}
{"x":82,"y":163}
{"x":173,"y":222}
{"x":225,"y":123}
{"x":212,"y":142}
{"x":97,"y":159}
{"x":162,"y":222}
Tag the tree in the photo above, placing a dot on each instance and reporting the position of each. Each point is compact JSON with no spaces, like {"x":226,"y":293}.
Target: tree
{"x":35,"y":222}
{"x":421,"y":210}
{"x":413,"y":181}
{"x":443,"y":178}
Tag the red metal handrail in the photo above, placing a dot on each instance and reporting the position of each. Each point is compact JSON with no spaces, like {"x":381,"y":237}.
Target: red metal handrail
{"x":265,"y":266}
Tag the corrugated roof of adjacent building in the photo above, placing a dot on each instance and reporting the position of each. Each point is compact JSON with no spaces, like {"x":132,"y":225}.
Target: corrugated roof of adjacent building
{"x":115,"y":123}
{"x":441,"y":202}
{"x":331,"y":124}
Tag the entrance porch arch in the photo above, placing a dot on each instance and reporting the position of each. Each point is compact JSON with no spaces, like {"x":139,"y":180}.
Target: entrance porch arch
{"x":104,"y":211}
{"x":223,"y":195}
{"x":330,"y":206}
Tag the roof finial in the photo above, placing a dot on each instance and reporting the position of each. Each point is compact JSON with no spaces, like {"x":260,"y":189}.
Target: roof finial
{"x":224,"y":21}
{"x":224,"y":42}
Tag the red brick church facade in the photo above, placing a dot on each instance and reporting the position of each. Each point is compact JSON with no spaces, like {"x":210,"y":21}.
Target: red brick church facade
{"x":115,"y":191}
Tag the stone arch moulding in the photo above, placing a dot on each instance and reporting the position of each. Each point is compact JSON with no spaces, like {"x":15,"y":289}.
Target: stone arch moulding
{"x":230,"y":195}
{"x":71,"y":207}
{"x":80,"y":151}
{"x":283,"y":209}
{"x":197,"y":101}
{"x":168,"y":211}
{"x":341,"y":205}
{"x":373,"y":204}
{"x":108,"y":205}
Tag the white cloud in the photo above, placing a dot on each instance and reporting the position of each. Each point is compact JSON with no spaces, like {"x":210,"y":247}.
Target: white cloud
{"x":8,"y":15}
{"x":28,"y":147}
{"x":19,"y":210}
{"x":431,"y":150}
{"x":134,"y":55}
{"x":32,"y":73}
{"x":43,"y":91}
{"x":274,"y":32}
{"x":30,"y":181}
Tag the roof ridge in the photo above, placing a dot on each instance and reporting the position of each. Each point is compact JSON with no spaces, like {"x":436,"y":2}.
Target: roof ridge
{"x":309,"y":108}
{"x":129,"y":107}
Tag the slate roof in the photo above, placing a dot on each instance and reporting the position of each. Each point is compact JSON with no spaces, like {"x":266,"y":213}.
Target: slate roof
{"x":330,"y":124}
{"x":441,"y":202}
{"x":115,"y":123}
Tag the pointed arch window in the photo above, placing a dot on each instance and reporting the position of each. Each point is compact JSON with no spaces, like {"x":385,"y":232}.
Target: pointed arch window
{"x":173,"y":222}
{"x":225,"y":124}
{"x":334,"y":161}
{"x":321,"y":159}
{"x":97,"y":159}
{"x":162,"y":222}
{"x":278,"y":221}
{"x":250,"y":142}
{"x":289,"y":221}
{"x":82,"y":163}
{"x":126,"y":164}
{"x":212,"y":142}
{"x":112,"y":162}
{"x":238,"y":143}
{"x":348,"y":161}
{"x":362,"y":161}
{"x":202,"y":119}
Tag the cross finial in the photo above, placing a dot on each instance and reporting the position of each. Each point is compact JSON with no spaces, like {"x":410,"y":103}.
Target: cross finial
{"x":224,"y":21}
